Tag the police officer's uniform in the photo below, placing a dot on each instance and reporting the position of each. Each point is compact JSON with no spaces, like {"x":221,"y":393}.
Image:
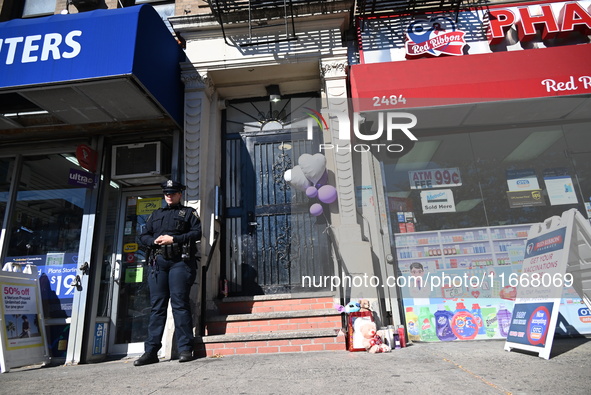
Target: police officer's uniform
{"x":172,"y":272}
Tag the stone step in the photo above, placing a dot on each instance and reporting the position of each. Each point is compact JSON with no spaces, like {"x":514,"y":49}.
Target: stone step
{"x":275,"y":303}
{"x":273,"y":322}
{"x":274,"y":342}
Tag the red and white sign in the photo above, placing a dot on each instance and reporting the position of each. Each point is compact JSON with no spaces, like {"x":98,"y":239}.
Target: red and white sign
{"x":552,"y":20}
{"x":434,"y":37}
{"x":435,"y":178}
{"x":87,"y":157}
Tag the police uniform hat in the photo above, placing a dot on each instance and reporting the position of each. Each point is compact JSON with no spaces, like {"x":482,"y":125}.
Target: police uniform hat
{"x":170,"y":186}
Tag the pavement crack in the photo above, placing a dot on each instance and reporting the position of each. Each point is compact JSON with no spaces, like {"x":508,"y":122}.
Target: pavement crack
{"x":485,"y":381}
{"x":169,"y":382}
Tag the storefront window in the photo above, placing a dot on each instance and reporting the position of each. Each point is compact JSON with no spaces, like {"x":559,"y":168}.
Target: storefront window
{"x":524,"y":174}
{"x":46,"y":226}
{"x":501,"y":177}
{"x":445,"y":161}
{"x":461,"y":206}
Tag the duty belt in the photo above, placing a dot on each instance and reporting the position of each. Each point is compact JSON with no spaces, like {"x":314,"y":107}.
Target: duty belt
{"x":171,"y":251}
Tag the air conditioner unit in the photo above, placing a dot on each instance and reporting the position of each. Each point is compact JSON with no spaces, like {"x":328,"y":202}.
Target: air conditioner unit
{"x":85,"y":3}
{"x":137,"y":160}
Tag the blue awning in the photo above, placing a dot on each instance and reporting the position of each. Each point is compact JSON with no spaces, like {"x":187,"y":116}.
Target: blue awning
{"x":97,"y":66}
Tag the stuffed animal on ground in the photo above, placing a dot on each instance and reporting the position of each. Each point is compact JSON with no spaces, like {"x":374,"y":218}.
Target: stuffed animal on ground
{"x":364,"y":305}
{"x":373,"y":340}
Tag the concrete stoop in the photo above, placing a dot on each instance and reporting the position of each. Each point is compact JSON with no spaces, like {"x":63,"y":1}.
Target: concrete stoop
{"x":273,"y":324}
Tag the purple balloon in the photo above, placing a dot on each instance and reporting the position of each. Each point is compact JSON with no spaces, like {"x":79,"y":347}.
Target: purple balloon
{"x":311,"y":192}
{"x":323,"y":180}
{"x":316,"y":209}
{"x":327,"y":194}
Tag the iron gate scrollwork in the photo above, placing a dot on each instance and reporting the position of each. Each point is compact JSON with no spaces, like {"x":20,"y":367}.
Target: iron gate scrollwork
{"x":272,"y":240}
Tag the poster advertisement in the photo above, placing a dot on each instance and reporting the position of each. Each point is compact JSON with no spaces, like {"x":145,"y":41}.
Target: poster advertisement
{"x":148,"y":205}
{"x":522,"y":180}
{"x":530,"y":323}
{"x":435,"y":178}
{"x":438,"y":201}
{"x":19,"y":309}
{"x":531,"y":198}
{"x":560,"y":187}
{"x":364,"y":195}
{"x":57,"y":291}
{"x":134,"y":274}
{"x":22,"y":328}
{"x":57,"y":271}
{"x":543,"y":262}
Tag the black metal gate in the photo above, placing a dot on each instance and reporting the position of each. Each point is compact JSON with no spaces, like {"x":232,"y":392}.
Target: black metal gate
{"x":271,"y":240}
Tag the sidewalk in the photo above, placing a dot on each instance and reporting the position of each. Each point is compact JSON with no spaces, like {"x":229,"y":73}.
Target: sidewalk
{"x":481,"y":367}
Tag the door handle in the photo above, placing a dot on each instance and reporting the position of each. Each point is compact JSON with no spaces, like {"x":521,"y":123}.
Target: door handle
{"x":77,"y":283}
{"x":84,"y":268}
{"x":117,"y":271}
{"x":252,"y":223}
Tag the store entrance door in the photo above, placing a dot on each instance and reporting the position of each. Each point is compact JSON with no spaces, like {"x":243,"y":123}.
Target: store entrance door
{"x":272,"y":241}
{"x":131,"y":296}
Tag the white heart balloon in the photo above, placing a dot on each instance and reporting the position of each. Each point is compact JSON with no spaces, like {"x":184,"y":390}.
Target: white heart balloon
{"x":287,"y":175}
{"x":313,"y":166}
{"x":298,"y":179}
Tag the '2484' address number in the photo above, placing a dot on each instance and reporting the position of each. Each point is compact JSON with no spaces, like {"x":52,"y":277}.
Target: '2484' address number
{"x":391,"y":100}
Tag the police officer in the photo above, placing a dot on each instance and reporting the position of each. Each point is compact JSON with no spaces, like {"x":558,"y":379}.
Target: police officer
{"x":170,"y":234}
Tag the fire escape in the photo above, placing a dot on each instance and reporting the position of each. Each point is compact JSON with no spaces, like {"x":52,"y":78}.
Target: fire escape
{"x":273,"y":21}
{"x":267,"y":21}
{"x":369,"y":8}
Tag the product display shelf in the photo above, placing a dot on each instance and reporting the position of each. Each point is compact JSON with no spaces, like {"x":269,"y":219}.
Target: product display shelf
{"x":465,"y":248}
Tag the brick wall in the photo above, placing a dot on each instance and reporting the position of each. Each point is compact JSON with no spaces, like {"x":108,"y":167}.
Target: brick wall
{"x":191,"y":7}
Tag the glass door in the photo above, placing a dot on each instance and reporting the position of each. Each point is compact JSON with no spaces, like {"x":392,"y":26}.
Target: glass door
{"x":131,"y":296}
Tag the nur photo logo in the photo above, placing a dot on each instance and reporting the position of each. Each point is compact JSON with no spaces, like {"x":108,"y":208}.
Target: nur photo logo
{"x":388,"y":129}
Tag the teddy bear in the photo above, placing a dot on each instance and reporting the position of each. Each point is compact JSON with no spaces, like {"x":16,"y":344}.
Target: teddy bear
{"x":373,"y":340}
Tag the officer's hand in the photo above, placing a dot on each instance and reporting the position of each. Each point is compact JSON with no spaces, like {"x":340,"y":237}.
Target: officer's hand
{"x":164,"y":240}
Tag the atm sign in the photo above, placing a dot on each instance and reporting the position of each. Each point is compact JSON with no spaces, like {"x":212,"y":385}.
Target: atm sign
{"x":435,"y":178}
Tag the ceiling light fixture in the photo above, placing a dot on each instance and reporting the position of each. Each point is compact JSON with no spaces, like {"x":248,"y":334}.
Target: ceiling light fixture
{"x":274,"y":93}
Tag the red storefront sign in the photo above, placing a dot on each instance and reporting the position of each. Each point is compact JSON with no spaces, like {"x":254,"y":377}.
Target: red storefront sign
{"x":532,"y":73}
{"x":550,"y":20}
{"x":434,"y":37}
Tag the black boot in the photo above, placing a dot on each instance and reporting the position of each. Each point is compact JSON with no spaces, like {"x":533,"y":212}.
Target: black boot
{"x":186,"y":356}
{"x":146,"y":359}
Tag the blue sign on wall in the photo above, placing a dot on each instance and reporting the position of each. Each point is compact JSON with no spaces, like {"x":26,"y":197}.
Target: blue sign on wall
{"x":132,"y":41}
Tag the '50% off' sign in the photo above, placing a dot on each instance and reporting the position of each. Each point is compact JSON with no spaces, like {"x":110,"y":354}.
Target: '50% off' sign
{"x":435,"y":178}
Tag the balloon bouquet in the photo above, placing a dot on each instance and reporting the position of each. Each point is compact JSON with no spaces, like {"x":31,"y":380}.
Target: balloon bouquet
{"x":311,"y":177}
